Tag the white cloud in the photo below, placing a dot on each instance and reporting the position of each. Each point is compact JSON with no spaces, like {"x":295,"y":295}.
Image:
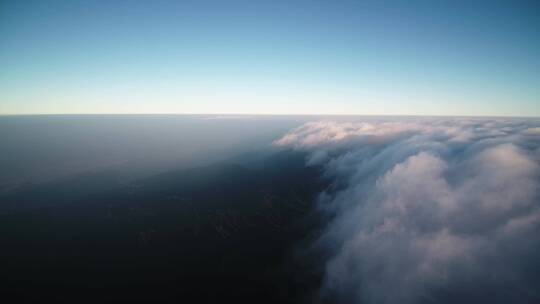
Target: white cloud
{"x":426,"y":206}
{"x":532,"y":131}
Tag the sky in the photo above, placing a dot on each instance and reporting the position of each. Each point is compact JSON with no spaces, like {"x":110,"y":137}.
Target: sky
{"x":270,"y":57}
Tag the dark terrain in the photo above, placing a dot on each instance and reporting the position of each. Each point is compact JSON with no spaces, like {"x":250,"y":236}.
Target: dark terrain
{"x":222,"y":232}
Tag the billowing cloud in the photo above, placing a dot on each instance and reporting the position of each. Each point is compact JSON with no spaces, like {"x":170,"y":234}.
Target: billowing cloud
{"x":427,"y":210}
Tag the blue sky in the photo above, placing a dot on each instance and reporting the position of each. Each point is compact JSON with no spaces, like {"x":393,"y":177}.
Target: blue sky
{"x":271,"y":57}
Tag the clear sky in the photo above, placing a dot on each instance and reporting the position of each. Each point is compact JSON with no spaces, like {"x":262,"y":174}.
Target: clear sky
{"x":271,"y":57}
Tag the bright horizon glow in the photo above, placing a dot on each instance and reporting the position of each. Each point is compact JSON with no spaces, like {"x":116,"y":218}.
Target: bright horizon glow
{"x":270,"y":57}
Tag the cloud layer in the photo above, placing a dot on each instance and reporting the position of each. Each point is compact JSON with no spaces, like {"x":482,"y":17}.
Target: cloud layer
{"x":427,"y":210}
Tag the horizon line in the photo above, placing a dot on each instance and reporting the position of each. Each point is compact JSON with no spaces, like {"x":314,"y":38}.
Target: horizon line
{"x":262,"y":114}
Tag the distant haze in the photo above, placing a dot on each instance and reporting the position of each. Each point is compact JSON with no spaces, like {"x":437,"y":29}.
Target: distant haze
{"x":38,"y":148}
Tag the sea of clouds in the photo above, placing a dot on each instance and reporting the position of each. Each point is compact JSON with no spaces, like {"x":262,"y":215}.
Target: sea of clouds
{"x":427,"y":210}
